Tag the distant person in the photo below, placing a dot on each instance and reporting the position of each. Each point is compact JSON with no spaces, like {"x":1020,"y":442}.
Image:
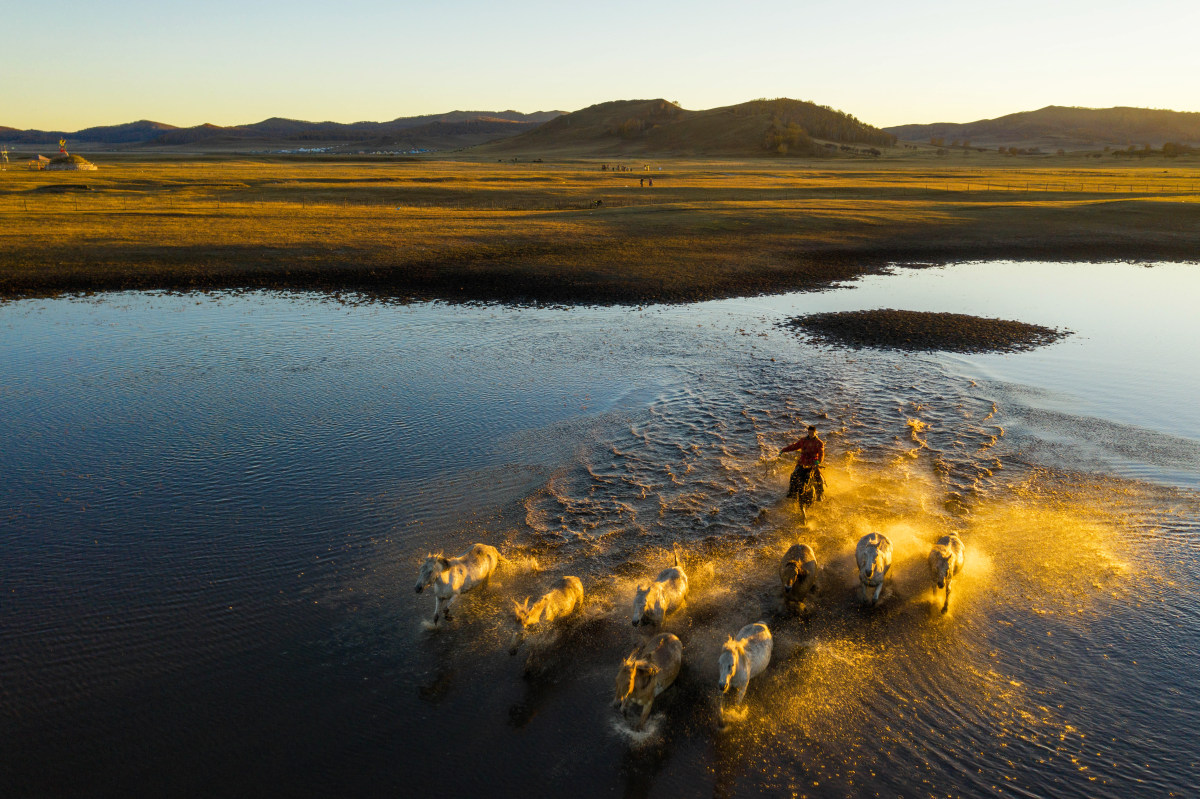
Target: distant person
{"x":642,"y":182}
{"x":651,"y":181}
{"x":812,"y":453}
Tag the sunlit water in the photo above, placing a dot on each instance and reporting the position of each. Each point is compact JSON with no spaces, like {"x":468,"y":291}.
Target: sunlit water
{"x":213,"y":508}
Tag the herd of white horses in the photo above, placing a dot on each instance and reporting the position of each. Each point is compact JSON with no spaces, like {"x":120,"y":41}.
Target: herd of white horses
{"x":653,"y":666}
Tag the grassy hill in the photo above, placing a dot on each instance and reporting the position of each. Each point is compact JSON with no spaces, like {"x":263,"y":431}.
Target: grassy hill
{"x":756,"y":128}
{"x":1059,"y":127}
{"x":453,"y":129}
{"x":451,"y":135}
{"x":129,"y":132}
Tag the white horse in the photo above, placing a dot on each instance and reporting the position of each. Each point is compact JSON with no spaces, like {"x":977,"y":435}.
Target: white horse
{"x":564,"y":599}
{"x":453,"y":576}
{"x":647,"y":672}
{"x":874,"y":556}
{"x":945,"y":562}
{"x":652,"y":603}
{"x":743,"y":657}
{"x":798,"y":573}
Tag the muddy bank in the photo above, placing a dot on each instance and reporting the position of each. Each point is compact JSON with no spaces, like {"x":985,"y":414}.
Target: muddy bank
{"x":545,"y":272}
{"x":922,"y":331}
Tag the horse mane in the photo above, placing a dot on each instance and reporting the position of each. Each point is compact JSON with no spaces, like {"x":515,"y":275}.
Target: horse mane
{"x":735,"y":645}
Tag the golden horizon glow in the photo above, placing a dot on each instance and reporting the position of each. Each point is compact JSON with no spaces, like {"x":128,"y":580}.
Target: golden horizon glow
{"x":227,"y":64}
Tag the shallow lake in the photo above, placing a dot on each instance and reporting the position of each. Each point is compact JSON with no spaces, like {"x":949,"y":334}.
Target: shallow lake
{"x":213,"y":509}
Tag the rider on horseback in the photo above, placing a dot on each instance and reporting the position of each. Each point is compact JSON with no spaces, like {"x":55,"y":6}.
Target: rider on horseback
{"x":812,"y":452}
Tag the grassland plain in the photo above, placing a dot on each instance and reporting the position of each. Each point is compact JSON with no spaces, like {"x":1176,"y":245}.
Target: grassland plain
{"x":488,"y":230}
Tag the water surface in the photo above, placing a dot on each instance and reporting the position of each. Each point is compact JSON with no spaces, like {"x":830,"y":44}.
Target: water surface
{"x":213,"y":509}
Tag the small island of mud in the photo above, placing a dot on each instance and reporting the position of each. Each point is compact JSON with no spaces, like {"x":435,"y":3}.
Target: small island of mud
{"x":922,"y":331}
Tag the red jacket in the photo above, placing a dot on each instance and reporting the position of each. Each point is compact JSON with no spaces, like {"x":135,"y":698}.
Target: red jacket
{"x":812,"y":450}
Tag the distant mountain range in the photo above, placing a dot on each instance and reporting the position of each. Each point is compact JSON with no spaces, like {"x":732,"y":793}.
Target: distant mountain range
{"x":756,"y":128}
{"x":1065,"y":128}
{"x":631,"y":127}
{"x":431,"y":131}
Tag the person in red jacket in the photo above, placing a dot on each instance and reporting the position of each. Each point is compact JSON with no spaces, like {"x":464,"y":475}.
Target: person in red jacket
{"x":812,"y":453}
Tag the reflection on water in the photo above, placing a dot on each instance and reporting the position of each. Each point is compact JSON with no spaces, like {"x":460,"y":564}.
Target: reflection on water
{"x":214,"y":507}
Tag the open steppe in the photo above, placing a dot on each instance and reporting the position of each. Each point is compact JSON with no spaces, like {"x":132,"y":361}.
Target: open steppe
{"x":568,"y":231}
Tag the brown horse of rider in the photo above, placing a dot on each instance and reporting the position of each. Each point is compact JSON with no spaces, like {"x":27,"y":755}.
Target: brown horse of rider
{"x":812,"y":453}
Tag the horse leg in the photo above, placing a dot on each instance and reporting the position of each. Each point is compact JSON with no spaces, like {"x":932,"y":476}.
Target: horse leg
{"x":437,"y":609}
{"x":741,"y":694}
{"x":649,"y":703}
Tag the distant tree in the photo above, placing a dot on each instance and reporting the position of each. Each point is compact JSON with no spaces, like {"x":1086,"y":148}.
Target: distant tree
{"x":787,"y":137}
{"x":630,"y":128}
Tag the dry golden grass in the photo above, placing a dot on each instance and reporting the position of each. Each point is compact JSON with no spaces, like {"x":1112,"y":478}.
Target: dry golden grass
{"x":512,"y":230}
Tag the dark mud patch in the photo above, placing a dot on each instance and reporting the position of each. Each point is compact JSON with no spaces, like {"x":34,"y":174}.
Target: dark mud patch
{"x":61,"y":188}
{"x":922,"y":331}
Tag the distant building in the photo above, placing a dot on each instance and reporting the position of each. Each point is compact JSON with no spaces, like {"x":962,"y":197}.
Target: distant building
{"x":40,"y":162}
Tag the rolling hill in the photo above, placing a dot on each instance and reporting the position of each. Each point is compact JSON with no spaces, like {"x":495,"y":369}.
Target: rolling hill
{"x":1059,"y":127}
{"x":130,"y":132}
{"x":756,"y":128}
{"x":431,"y":131}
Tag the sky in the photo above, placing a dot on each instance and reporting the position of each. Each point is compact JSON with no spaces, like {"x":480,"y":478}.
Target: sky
{"x":80,"y":63}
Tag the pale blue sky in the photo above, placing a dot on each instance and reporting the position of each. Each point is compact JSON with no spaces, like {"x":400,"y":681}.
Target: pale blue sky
{"x":79,"y":63}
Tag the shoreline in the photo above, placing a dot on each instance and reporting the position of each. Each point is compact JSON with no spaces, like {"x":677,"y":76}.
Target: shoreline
{"x":813,"y":271}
